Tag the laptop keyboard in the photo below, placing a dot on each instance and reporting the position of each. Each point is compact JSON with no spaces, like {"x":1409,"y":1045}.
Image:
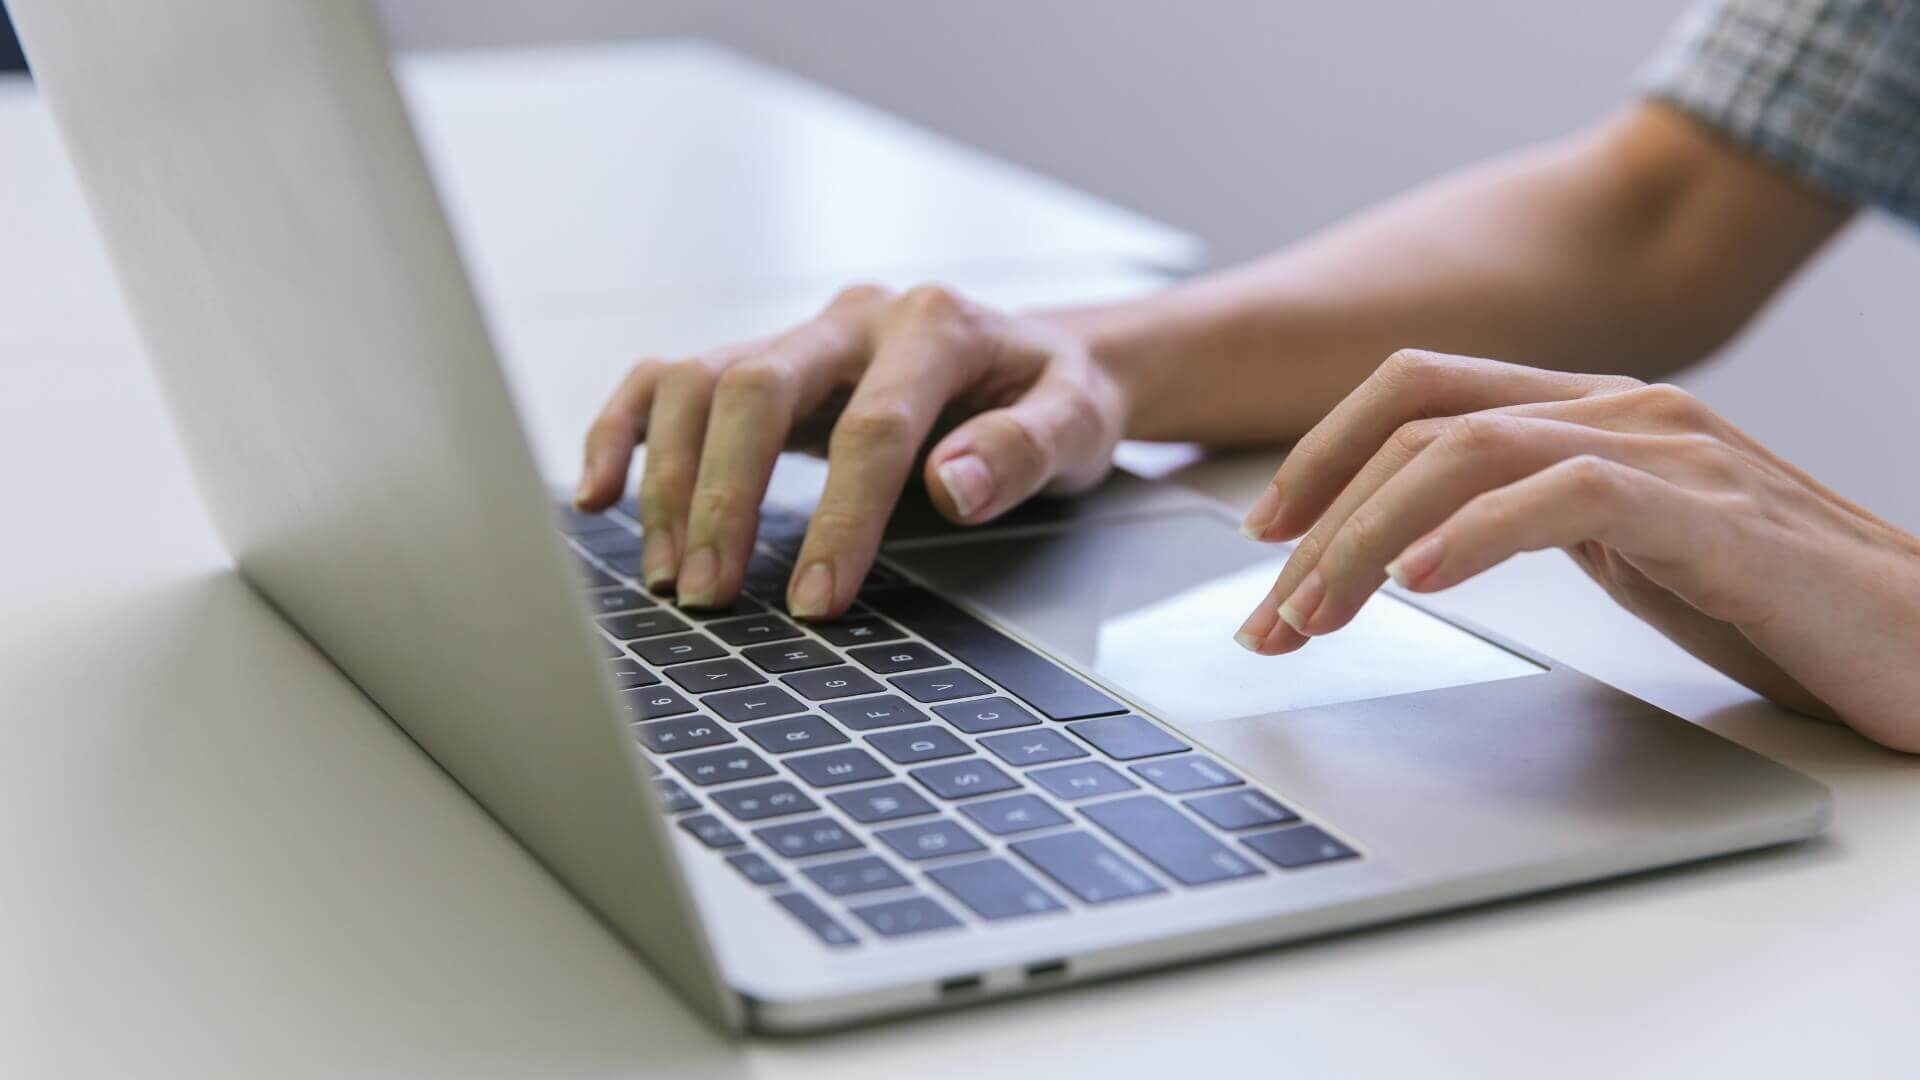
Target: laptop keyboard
{"x":907,"y":769}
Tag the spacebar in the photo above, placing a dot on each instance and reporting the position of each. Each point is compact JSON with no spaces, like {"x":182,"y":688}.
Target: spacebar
{"x":1039,"y":682}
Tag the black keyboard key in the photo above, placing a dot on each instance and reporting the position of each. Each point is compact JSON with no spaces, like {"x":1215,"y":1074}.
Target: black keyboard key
{"x":675,"y":798}
{"x":755,"y":868}
{"x":754,"y":703}
{"x":810,"y":914}
{"x":653,"y":703}
{"x":1245,"y":809}
{"x":756,"y":801}
{"x":794,"y":733}
{"x":882,"y":802}
{"x":985,"y":714}
{"x":868,"y":713}
{"x":612,"y":650}
{"x":1169,"y":840}
{"x":609,"y":543}
{"x":994,"y":889}
{"x":1086,"y":867}
{"x":814,"y":836}
{"x":963,"y":779}
{"x":929,"y":840}
{"x":1302,"y":845}
{"x":790,"y":656}
{"x":742,"y":605}
{"x":596,"y":578}
{"x":1049,"y":688}
{"x":642,"y":624}
{"x":1024,"y":748}
{"x":678,"y":649}
{"x":766,"y":576}
{"x":910,"y":745}
{"x":836,"y":767}
{"x":857,"y":630}
{"x":1013,"y":814}
{"x":943,"y":684}
{"x":1082,"y":781}
{"x":1127,"y":738}
{"x":711,"y":831}
{"x":629,"y":675}
{"x":753,"y":631}
{"x":615,"y":601}
{"x":711,"y":675}
{"x":913,"y":915}
{"x":575,"y":521}
{"x":684,"y":733}
{"x":895,"y":658}
{"x":868,"y":873}
{"x":720,"y":766}
{"x":826,"y":684}
{"x":1183,"y":774}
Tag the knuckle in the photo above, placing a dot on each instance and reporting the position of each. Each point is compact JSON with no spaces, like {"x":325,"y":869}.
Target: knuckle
{"x":860,"y":296}
{"x":718,"y":503}
{"x":1360,"y":536}
{"x":1415,"y":367}
{"x":1414,"y":436}
{"x":686,"y":376}
{"x":1477,"y":435}
{"x":932,"y":302}
{"x":666,"y":481}
{"x":1668,"y":402}
{"x":1592,"y":478}
{"x":836,"y":524}
{"x":874,"y":427}
{"x":1020,"y":440}
{"x":755,"y":380}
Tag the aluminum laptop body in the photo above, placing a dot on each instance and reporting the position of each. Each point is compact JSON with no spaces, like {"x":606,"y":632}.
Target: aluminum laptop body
{"x":279,"y":241}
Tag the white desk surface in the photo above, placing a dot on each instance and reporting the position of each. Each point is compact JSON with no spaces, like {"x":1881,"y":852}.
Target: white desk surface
{"x":221,"y":860}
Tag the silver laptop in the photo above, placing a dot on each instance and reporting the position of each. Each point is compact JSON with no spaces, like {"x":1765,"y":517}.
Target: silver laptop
{"x":1030,"y":757}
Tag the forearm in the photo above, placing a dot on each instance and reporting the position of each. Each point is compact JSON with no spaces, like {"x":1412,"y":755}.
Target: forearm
{"x":1637,"y":248}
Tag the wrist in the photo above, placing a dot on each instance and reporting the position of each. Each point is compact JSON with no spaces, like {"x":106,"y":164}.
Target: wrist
{"x":1128,"y":344}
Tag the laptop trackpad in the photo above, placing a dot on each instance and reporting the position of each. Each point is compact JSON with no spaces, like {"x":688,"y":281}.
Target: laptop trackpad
{"x":1150,"y":606}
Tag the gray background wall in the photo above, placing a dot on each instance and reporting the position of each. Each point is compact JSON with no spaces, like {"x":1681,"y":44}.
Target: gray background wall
{"x":1248,"y":122}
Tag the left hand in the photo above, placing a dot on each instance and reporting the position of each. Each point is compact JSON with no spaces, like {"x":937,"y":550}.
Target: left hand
{"x":1439,"y":467}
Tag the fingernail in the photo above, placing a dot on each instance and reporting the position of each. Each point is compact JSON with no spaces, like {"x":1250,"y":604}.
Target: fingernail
{"x":699,"y":574}
{"x":1419,"y":560}
{"x":1295,"y":610}
{"x":581,"y":492}
{"x":659,"y":559}
{"x":1247,"y":641}
{"x":1265,"y":509}
{"x":812,"y":592}
{"x":968,"y":483}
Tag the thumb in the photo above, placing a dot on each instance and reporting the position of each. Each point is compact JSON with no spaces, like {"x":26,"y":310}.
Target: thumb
{"x":1056,"y":438}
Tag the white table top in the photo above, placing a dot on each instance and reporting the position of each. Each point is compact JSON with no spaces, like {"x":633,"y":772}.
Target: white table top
{"x":222,"y":860}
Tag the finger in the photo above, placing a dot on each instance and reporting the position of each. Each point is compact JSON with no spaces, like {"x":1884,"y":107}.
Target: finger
{"x":756,"y":402}
{"x":612,"y":437}
{"x":1412,"y":385}
{"x":1475,"y":454}
{"x":1059,"y":437}
{"x":1652,"y":521}
{"x":923,"y":354}
{"x":675,"y":428}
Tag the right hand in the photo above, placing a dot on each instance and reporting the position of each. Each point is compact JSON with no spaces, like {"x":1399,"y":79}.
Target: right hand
{"x":1042,"y":416}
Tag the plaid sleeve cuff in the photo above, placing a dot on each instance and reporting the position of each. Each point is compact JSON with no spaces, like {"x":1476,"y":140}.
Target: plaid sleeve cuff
{"x":1829,"y":90}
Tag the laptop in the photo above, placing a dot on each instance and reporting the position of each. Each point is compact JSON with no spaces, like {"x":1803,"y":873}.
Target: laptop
{"x":1030,"y":757}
